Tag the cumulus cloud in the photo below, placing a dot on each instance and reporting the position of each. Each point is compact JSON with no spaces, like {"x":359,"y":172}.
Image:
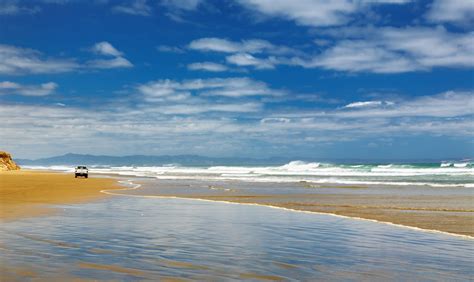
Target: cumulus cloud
{"x":208,"y":66}
{"x":228,"y":96}
{"x":246,"y":60}
{"x":455,"y":11}
{"x":363,"y":104}
{"x":8,"y":87}
{"x":170,"y":49}
{"x":360,"y":56}
{"x":443,"y":105}
{"x":244,"y":53}
{"x":252,"y":46}
{"x":22,"y":61}
{"x":183,"y":124}
{"x":223,"y":87}
{"x":136,"y":8}
{"x":13,"y":7}
{"x":370,"y":49}
{"x":317,"y":13}
{"x":105,"y":48}
{"x":176,"y":9}
{"x":16,"y":60}
{"x":193,"y":109}
{"x":394,"y":50}
{"x":117,"y":62}
{"x":181,"y":4}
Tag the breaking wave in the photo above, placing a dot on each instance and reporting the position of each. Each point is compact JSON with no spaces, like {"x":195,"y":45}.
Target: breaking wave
{"x":429,"y":174}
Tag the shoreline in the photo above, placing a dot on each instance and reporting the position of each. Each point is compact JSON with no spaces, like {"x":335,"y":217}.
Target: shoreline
{"x":137,"y":186}
{"x":101,"y":185}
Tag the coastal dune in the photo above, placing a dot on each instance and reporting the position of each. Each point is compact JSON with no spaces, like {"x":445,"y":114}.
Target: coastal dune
{"x":26,"y":193}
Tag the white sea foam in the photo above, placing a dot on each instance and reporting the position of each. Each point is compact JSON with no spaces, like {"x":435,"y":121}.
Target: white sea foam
{"x":458,"y":175}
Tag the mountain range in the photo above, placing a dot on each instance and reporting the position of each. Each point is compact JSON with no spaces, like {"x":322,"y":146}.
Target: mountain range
{"x":144,"y":160}
{"x":190,"y":160}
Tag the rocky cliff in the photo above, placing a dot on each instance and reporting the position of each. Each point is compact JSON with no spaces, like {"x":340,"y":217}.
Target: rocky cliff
{"x":6,"y":162}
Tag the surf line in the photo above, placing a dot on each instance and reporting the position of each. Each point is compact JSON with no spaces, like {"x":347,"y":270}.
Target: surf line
{"x":135,"y":186}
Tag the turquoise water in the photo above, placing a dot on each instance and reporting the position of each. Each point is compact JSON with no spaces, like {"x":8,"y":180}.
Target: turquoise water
{"x":137,"y":238}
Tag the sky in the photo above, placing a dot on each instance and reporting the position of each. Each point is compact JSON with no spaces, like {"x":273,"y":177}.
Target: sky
{"x":342,"y":79}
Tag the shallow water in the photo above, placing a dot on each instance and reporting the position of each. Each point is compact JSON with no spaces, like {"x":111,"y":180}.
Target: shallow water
{"x":133,"y":238}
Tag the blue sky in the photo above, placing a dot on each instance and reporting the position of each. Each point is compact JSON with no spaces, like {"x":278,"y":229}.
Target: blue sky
{"x":366,"y":79}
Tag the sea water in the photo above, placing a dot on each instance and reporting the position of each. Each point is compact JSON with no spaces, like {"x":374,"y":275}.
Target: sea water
{"x":452,"y":174}
{"x":135,"y":238}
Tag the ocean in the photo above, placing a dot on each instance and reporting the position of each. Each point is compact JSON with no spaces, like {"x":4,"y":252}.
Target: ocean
{"x":454,"y":174}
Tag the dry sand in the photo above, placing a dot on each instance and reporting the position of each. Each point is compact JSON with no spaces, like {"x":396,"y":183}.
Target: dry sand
{"x":26,"y":193}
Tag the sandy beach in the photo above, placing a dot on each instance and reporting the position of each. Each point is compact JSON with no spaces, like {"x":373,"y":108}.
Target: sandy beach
{"x":26,"y":193}
{"x":127,"y":238}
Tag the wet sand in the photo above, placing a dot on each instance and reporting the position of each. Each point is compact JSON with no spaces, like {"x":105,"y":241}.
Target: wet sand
{"x":397,"y":210}
{"x":446,"y":210}
{"x":27,"y":193}
{"x":137,"y":238}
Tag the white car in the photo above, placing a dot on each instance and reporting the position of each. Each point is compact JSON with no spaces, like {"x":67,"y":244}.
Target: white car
{"x":81,"y":171}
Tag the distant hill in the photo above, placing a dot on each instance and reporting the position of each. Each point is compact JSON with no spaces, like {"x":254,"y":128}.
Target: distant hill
{"x":194,"y":160}
{"x":143,"y":160}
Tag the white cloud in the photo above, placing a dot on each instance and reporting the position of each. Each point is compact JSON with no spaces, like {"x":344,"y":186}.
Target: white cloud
{"x":245,"y":60}
{"x":314,"y":12}
{"x":394,"y":50}
{"x":178,"y":127}
{"x":305,"y":12}
{"x":170,"y":49}
{"x":243,"y":53}
{"x":251,"y":46}
{"x":15,"y":60}
{"x":363,"y":104}
{"x":8,"y":87}
{"x":431,"y":47}
{"x":224,"y":87}
{"x":21,"y":61}
{"x":136,"y":7}
{"x":176,"y":9}
{"x":444,"y":105}
{"x":357,"y":56}
{"x":13,"y":7}
{"x":105,"y":48}
{"x":456,"y":11}
{"x":191,"y":109}
{"x":181,"y":4}
{"x":208,"y":66}
{"x":117,"y":62}
{"x":369,"y":49}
